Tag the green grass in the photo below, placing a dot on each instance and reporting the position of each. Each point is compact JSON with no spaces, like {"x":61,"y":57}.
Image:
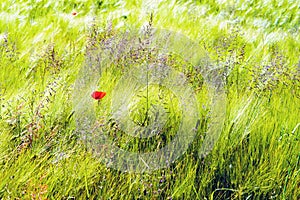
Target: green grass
{"x":255,"y":46}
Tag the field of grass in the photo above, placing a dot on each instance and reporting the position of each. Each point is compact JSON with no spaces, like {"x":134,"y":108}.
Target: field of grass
{"x":45,"y":46}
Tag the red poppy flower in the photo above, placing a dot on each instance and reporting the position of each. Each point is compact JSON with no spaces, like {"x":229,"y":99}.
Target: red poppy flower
{"x":98,"y":95}
{"x":74,"y":13}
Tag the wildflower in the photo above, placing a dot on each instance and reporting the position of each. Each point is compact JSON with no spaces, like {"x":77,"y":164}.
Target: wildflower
{"x":74,"y":13}
{"x":98,"y":95}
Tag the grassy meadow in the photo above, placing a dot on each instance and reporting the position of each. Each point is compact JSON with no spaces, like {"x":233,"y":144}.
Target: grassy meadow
{"x":253,"y":45}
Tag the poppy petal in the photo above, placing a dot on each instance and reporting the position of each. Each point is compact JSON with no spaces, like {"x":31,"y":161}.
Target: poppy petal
{"x":98,"y":95}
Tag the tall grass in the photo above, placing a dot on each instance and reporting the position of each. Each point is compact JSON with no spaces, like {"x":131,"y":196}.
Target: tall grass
{"x":254,"y":46}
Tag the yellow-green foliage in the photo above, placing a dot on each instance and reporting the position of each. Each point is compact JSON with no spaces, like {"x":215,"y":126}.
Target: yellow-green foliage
{"x":253,"y":44}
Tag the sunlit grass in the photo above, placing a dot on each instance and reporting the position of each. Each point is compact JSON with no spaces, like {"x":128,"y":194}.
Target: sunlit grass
{"x":255,"y":46}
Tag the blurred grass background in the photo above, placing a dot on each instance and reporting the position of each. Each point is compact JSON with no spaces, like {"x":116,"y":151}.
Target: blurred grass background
{"x":255,"y":43}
